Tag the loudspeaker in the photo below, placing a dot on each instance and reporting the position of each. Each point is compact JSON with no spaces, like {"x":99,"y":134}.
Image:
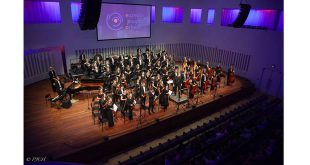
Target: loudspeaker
{"x":242,"y":16}
{"x":89,"y":15}
{"x":66,"y":104}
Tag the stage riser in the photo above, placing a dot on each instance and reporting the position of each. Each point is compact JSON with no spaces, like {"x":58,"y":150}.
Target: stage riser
{"x":109,"y":148}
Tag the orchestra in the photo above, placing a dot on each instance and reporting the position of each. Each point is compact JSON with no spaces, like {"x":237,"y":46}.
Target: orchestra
{"x":144,"y":78}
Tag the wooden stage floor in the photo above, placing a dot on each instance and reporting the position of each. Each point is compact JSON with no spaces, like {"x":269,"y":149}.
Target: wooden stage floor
{"x":53,"y":132}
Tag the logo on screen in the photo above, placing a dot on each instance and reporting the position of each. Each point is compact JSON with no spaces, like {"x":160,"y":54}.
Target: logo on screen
{"x":114,"y":21}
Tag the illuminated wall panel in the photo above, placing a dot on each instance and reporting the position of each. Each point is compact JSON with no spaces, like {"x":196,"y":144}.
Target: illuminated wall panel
{"x":210,"y":19}
{"x":195,"y":17}
{"x":41,"y":12}
{"x":172,"y":15}
{"x":257,"y":17}
{"x":75,"y":11}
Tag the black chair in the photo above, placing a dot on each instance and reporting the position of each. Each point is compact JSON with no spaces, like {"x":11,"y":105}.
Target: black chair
{"x":95,"y":112}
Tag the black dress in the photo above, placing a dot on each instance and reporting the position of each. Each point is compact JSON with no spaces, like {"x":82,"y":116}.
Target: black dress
{"x":110,"y":115}
{"x":165,"y":99}
{"x":129,"y":106}
{"x":103,"y":110}
{"x":151,"y":102}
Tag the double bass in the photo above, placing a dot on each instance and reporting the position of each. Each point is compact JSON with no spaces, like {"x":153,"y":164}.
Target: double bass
{"x":230,"y":76}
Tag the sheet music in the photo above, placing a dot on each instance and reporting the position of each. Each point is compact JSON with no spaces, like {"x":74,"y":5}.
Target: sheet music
{"x":170,"y":92}
{"x":114,"y":107}
{"x":170,"y":81}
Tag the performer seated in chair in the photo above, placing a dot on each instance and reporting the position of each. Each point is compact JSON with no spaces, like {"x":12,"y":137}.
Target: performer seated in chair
{"x":60,"y":91}
{"x":58,"y":85}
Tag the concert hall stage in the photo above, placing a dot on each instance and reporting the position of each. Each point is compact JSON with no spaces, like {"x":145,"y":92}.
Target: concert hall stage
{"x":71,"y":135}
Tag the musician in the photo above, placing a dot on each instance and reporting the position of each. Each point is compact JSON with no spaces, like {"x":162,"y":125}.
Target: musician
{"x":166,"y":63}
{"x":146,"y":54}
{"x":195,"y":67}
{"x":128,"y":70}
{"x":101,"y":93}
{"x":151,"y":100}
{"x":113,"y":89}
{"x":157,"y":80}
{"x":140,"y":61}
{"x":165,"y":76}
{"x":165,"y":98}
{"x":192,"y":87}
{"x":123,"y":80}
{"x":109,"y":111}
{"x":143,"y":96}
{"x":158,"y":67}
{"x":163,"y":57}
{"x":184,"y":63}
{"x":231,"y":75}
{"x":112,"y":63}
{"x":218,"y":70}
{"x":182,"y":75}
{"x":137,"y":88}
{"x":123,"y":99}
{"x":177,"y":83}
{"x":82,"y":60}
{"x":52,"y":75}
{"x":122,"y":63}
{"x":139,"y":52}
{"x":58,"y":85}
{"x":129,"y":105}
{"x":214,"y":81}
{"x":203,"y":80}
{"x":96,"y":67}
{"x":148,"y":62}
{"x":131,"y":63}
{"x":102,"y":107}
{"x":188,"y":66}
{"x":118,"y":72}
{"x":148,"y":78}
{"x":209,"y":71}
{"x":143,"y":77}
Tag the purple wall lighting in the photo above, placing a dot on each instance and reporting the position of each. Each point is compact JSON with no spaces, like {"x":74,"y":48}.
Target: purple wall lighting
{"x":259,"y":18}
{"x":172,"y":15}
{"x":36,"y":12}
{"x":280,"y":22}
{"x":153,"y":14}
{"x":75,"y":11}
{"x":211,"y":14}
{"x":195,"y":17}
